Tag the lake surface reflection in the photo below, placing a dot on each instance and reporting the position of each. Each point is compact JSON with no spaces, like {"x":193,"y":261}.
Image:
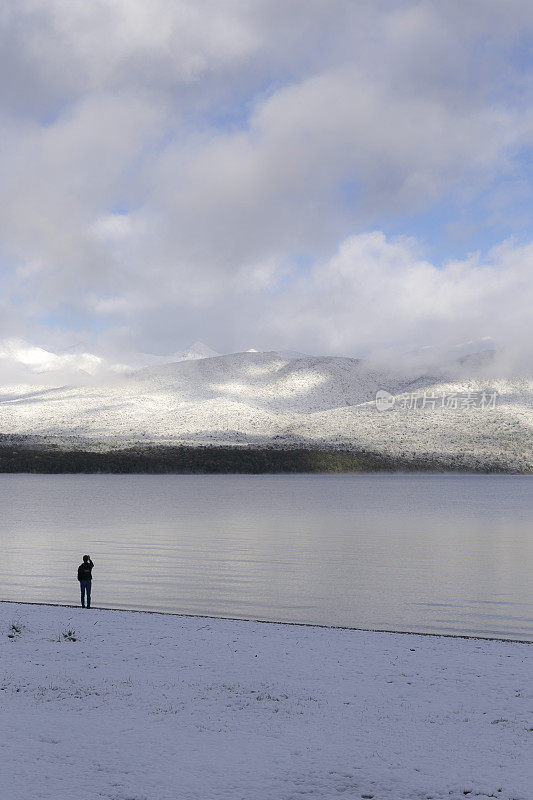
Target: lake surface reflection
{"x":426,"y":553}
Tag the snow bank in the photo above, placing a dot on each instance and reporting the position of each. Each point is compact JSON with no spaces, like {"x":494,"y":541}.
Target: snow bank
{"x":136,"y":706}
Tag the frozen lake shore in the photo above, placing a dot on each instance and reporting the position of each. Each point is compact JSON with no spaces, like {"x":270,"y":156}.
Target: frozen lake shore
{"x":137,"y":706}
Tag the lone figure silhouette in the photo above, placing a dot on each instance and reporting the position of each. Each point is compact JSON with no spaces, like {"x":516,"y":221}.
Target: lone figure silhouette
{"x":85,"y":579}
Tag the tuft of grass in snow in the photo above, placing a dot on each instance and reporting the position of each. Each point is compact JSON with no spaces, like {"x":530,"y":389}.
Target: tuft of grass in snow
{"x":15,"y":629}
{"x":67,"y":636}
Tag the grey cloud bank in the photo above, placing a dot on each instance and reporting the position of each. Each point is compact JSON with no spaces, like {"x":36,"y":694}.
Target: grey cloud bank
{"x":227,"y":172}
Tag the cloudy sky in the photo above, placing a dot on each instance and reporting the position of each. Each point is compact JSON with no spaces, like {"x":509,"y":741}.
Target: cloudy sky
{"x":322,"y":175}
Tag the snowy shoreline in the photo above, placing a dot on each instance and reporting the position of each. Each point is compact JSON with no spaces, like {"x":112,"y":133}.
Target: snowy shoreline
{"x":275,"y":622}
{"x":155,"y":706}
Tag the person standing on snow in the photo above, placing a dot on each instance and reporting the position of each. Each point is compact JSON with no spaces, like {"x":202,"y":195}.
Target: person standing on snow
{"x":85,"y":579}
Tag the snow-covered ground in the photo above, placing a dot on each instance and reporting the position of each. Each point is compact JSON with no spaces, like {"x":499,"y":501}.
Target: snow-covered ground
{"x":265,"y":398}
{"x":154,"y":707}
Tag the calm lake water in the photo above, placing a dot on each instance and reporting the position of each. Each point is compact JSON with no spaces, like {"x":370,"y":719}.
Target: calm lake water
{"x":426,"y":553}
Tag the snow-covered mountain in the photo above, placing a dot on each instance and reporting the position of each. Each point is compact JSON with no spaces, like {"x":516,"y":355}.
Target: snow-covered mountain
{"x":270,"y":382}
{"x":267,"y":399}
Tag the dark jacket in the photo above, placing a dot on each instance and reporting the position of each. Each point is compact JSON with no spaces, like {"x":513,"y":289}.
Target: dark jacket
{"x":84,"y":571}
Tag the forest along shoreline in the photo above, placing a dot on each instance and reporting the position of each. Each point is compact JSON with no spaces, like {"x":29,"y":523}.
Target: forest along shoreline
{"x":24,"y":455}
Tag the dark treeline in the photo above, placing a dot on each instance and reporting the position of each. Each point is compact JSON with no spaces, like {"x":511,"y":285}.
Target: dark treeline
{"x":164,"y":459}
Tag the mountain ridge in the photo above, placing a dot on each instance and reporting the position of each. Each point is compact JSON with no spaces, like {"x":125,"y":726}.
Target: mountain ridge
{"x":263,"y":399}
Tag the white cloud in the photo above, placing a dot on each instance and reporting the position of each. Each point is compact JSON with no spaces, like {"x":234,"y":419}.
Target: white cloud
{"x":382,"y":298}
{"x":164,"y":165}
{"x":22,"y":361}
{"x":112,"y":227}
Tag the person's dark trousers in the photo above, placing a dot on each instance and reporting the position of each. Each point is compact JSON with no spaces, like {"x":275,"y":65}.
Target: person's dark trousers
{"x":85,"y":587}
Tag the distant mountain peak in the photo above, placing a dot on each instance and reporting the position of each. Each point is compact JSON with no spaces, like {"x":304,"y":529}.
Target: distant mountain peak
{"x":200,"y":350}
